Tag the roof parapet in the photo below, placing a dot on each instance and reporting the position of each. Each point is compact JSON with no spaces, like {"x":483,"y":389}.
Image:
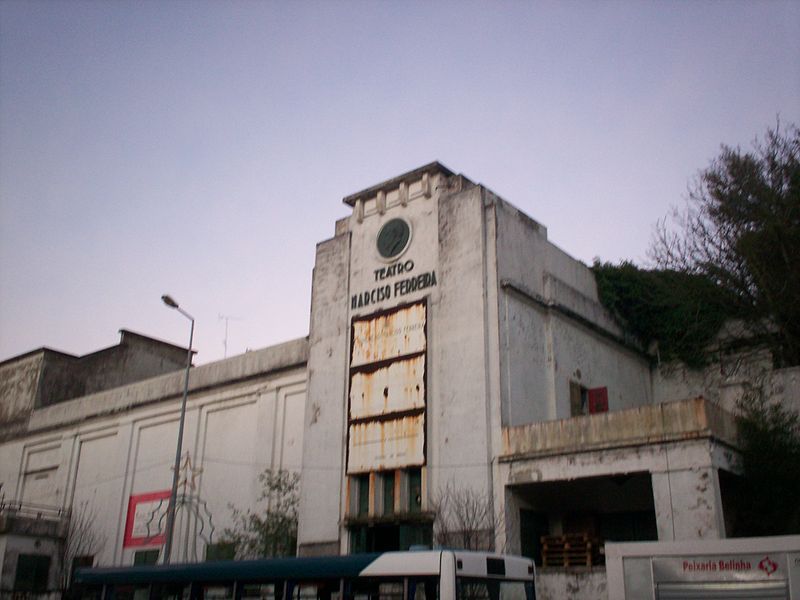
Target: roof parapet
{"x":394,"y":183}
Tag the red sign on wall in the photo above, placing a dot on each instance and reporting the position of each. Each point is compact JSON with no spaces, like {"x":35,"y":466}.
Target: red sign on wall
{"x":598,"y":400}
{"x":146,"y":519}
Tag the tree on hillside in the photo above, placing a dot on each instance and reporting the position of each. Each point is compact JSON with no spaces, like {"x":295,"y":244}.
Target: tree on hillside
{"x":741,"y":230}
{"x":272,"y":530}
{"x":680,"y":311}
{"x":769,"y":444}
{"x":731,"y":255}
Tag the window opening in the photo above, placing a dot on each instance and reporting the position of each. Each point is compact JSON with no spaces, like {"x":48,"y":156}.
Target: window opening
{"x":33,"y":571}
{"x":388,"y":493}
{"x":145,"y":557}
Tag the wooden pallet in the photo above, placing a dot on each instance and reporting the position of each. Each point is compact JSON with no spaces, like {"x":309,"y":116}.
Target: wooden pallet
{"x":571,"y":550}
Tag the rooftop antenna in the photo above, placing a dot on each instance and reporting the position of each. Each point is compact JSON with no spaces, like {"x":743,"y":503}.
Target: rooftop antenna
{"x":227,"y":319}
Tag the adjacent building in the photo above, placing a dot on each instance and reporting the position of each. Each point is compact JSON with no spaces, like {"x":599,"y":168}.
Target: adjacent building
{"x":454,"y":355}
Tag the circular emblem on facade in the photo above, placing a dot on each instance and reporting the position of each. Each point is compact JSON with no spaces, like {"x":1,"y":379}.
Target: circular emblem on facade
{"x":393,"y":238}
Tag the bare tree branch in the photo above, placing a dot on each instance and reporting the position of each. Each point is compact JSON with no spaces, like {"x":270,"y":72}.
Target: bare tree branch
{"x":82,"y":539}
{"x":465,"y":518}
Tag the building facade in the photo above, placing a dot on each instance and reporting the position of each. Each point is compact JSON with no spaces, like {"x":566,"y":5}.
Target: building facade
{"x":86,"y":480}
{"x":454,"y":356}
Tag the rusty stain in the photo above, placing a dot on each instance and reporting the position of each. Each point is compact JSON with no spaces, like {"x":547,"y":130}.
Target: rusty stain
{"x":396,"y":388}
{"x":380,"y":441}
{"x":379,"y":445}
{"x":389,"y":336}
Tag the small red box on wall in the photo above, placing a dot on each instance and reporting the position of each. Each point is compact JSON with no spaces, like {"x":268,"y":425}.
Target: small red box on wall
{"x":598,"y":400}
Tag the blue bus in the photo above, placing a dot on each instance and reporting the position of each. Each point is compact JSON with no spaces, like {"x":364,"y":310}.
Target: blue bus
{"x":424,"y":575}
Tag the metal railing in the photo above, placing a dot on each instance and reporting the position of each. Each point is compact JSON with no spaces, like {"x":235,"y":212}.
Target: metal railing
{"x":29,"y":510}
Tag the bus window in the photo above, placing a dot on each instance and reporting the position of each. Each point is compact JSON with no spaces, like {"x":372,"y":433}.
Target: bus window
{"x":366,"y":589}
{"x":170,"y":592}
{"x":423,"y":588}
{"x":261,"y":591}
{"x":491,"y":589}
{"x":132,"y":592}
{"x":316,"y":591}
{"x":217,"y":592}
{"x":88,"y":592}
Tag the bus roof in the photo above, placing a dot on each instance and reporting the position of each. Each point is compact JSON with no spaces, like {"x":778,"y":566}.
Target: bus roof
{"x":470,"y":564}
{"x":322,"y":567}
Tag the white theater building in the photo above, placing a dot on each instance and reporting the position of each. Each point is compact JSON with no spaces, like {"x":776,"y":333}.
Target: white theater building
{"x":451,"y":347}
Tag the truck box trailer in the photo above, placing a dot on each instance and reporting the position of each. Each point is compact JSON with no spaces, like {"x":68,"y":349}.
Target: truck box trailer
{"x":752,"y":568}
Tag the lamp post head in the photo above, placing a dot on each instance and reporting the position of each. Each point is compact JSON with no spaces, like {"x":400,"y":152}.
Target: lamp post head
{"x":167,"y":299}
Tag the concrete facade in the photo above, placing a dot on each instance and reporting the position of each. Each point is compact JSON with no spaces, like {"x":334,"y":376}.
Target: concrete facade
{"x":91,"y":456}
{"x":484,"y":362}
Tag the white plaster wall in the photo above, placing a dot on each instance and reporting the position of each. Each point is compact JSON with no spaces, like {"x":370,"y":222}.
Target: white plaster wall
{"x":459,"y":406}
{"x":94,"y":465}
{"x":573,"y":584}
{"x":522,"y":247}
{"x":592,"y":360}
{"x":99,"y":481}
{"x":686,"y":494}
{"x":571,"y":271}
{"x":541,"y":349}
{"x":526,"y":362}
{"x":324,"y":422}
{"x":526,"y":378}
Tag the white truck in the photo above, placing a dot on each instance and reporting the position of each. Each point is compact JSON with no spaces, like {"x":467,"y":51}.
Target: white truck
{"x":752,"y":568}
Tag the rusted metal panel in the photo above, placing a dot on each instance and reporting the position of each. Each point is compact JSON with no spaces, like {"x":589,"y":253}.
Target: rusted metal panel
{"x":386,"y":444}
{"x":398,"y":387}
{"x":389,"y":335}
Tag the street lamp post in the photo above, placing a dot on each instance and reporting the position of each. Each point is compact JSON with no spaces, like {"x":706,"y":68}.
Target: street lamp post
{"x":173,"y":496}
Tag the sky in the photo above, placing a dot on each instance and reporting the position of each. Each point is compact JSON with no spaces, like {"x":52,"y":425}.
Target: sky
{"x":202,"y":149}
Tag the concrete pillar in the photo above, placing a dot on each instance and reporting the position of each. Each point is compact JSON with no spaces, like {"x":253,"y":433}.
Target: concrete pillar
{"x":687,"y":499}
{"x":662,"y":500}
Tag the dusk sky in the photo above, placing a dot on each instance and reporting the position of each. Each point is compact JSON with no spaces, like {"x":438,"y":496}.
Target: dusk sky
{"x":202,"y":149}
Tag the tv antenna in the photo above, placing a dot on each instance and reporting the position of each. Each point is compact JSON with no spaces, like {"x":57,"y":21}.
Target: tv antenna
{"x":227,"y":319}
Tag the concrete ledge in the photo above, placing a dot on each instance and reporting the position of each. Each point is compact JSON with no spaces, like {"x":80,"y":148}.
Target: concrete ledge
{"x":683,"y":420}
{"x":293,"y":354}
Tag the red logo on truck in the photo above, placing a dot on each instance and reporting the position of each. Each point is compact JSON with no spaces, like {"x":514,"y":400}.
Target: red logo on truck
{"x":768,"y":565}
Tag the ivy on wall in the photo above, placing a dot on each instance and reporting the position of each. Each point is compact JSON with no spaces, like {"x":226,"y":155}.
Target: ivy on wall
{"x":681,"y":312}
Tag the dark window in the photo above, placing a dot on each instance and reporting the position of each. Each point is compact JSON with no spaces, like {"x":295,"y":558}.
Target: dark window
{"x":578,"y":399}
{"x":32,"y":573}
{"x":533,"y":525}
{"x":631,"y":526}
{"x":363,"y":495}
{"x":145,"y":557}
{"x":389,"y":537}
{"x":415,"y":535}
{"x":388,"y":493}
{"x":358,"y":540}
{"x":414,"y":490}
{"x":495,"y":566}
